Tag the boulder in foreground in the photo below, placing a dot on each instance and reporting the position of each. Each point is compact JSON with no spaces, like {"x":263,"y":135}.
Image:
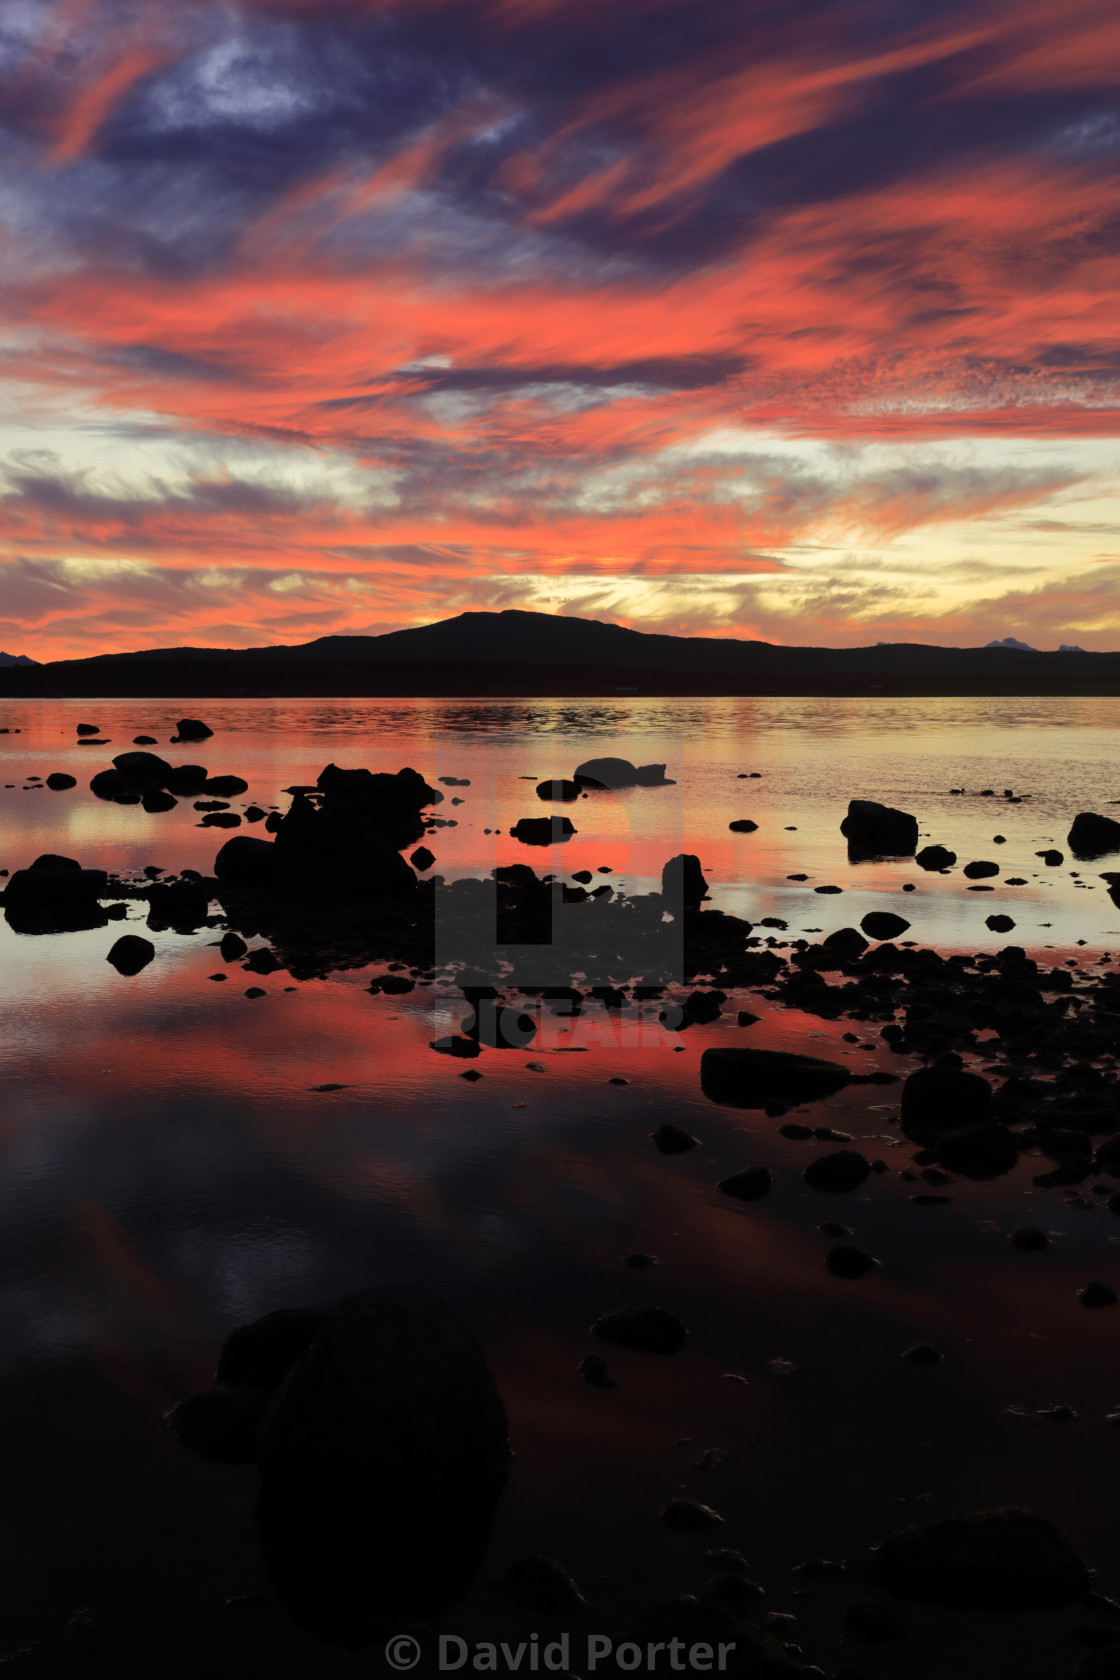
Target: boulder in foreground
{"x":989,"y":1560}
{"x":739,"y":1077}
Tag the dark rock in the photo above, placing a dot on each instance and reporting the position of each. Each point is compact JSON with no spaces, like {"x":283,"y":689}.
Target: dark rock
{"x":422,"y":859}
{"x":847,"y":941}
{"x":844,"y":1170}
{"x":846,"y":1261}
{"x":874,"y":830}
{"x":225,"y":787}
{"x":682,"y":883}
{"x":55,"y":895}
{"x":1092,"y":836}
{"x":262,"y":961}
{"x":883,"y":924}
{"x":746,"y":1019}
{"x":88,"y":729}
{"x":688,"y":1516}
{"x":144,"y":741}
{"x":620,"y":773}
{"x":922,"y":1354}
{"x":941,"y":1099}
{"x":254,"y":814}
{"x":221,"y":819}
{"x":1097,"y":1294}
{"x":143,"y":769}
{"x":247,"y":862}
{"x":704,"y":1007}
{"x":639,"y":1262}
{"x":646,"y":1329}
{"x":737,"y":1592}
{"x":182,"y":905}
{"x":752,"y":1653}
{"x":58,"y":781}
{"x":979,"y":1152}
{"x":740,"y":1077}
{"x":1052,"y":858}
{"x":221,"y":1423}
{"x":989,"y":1560}
{"x":935,"y":858}
{"x":593,"y":1369}
{"x":749,"y":1185}
{"x":794,"y":1130}
{"x":455,"y":1046}
{"x":186,"y":780}
{"x":1000,"y":924}
{"x":232,"y":947}
{"x":131,"y":953}
{"x":255,"y":992}
{"x":1098,"y":1665}
{"x":111,"y":785}
{"x":541,"y":1584}
{"x":261,"y":1354}
{"x":873,"y":1622}
{"x":671,"y":1140}
{"x":743,"y":826}
{"x":1029,"y":1239}
{"x":192,"y":729}
{"x":558,"y":790}
{"x":155,"y":800}
{"x":542,"y":831}
{"x":980,"y":870}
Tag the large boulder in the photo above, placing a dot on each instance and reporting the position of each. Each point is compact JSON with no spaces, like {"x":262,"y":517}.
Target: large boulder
{"x":131,"y":953}
{"x":186,"y":779}
{"x":620,"y":773}
{"x":55,"y":895}
{"x":883,"y":924}
{"x":143,"y":769}
{"x":114,"y":785}
{"x":558,"y":790}
{"x":683,"y":883}
{"x":542,"y":831}
{"x":937,"y":1100}
{"x":739,"y":1077}
{"x":246,"y":861}
{"x":874,"y":830}
{"x":1092,"y":836}
{"x":990,"y":1560}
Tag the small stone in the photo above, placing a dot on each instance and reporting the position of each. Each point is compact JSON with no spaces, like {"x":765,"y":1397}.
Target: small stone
{"x":845,"y":1170}
{"x":1097,"y":1294}
{"x":593,"y":1370}
{"x":639,"y":1262}
{"x":671,"y":1140}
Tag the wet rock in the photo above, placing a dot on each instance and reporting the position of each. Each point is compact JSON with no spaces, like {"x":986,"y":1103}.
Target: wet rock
{"x":541,"y":1584}
{"x":940,"y":1099}
{"x":131,"y":953}
{"x":221,"y":819}
{"x":738,"y":1592}
{"x":155,"y":800}
{"x":182,"y":905}
{"x":980,"y":870}
{"x":454,"y":1045}
{"x":1051,"y":857}
{"x":542,"y":831}
{"x":1097,"y":1294}
{"x":873,"y":830}
{"x":989,"y":1560}
{"x":794,"y":1130}
{"x":144,"y":741}
{"x":111,"y":785}
{"x":704,"y":1007}
{"x":254,"y":814}
{"x":671,"y":1140}
{"x":58,"y":781}
{"x":1029,"y":1239}
{"x":232,"y":947}
{"x":740,"y":1077}
{"x":683,"y":883}
{"x":186,"y":780}
{"x":246,"y":861}
{"x":999,"y":924}
{"x":422,"y":859}
{"x":192,"y":729}
{"x":88,"y":729}
{"x":620,"y":773}
{"x":55,"y":895}
{"x":1092,"y":836}
{"x":847,"y":1261}
{"x":749,"y":1185}
{"x":593,"y":1369}
{"x":645,"y":1329}
{"x":979,"y":1152}
{"x":221,"y":1423}
{"x":688,"y":1516}
{"x":883,"y":924}
{"x":262,"y":1353}
{"x":225,"y":787}
{"x":743,"y":826}
{"x":935,"y":858}
{"x":639,"y":1262}
{"x":559,"y":790}
{"x":922,"y":1353}
{"x":143,"y":769}
{"x":874,"y":1623}
{"x":745,"y":1019}
{"x":849,"y":942}
{"x":844,"y":1170}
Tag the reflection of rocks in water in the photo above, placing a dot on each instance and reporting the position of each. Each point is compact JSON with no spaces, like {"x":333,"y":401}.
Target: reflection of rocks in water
{"x":382,"y":1445}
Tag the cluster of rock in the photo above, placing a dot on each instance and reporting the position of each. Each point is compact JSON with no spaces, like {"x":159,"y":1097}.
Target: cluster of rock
{"x":143,"y":778}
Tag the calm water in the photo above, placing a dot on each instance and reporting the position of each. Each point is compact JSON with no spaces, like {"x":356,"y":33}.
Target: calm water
{"x":169,"y":1174}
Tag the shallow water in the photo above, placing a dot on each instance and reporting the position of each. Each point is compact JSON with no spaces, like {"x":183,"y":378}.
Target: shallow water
{"x":170,"y":1174}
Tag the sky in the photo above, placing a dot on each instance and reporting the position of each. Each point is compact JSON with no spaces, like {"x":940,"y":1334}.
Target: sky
{"x":786,"y":319}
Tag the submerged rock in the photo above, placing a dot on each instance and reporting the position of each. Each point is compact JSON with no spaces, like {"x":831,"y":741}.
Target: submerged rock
{"x":741,"y":1077}
{"x":645,"y":1329}
{"x":990,"y":1560}
{"x":935,"y":858}
{"x":873,"y":830}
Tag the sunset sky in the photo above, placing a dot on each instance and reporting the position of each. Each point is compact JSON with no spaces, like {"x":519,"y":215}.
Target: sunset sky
{"x":789,"y":319}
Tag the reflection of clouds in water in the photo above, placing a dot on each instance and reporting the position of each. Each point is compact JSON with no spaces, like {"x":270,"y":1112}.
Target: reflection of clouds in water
{"x":246,"y":1271}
